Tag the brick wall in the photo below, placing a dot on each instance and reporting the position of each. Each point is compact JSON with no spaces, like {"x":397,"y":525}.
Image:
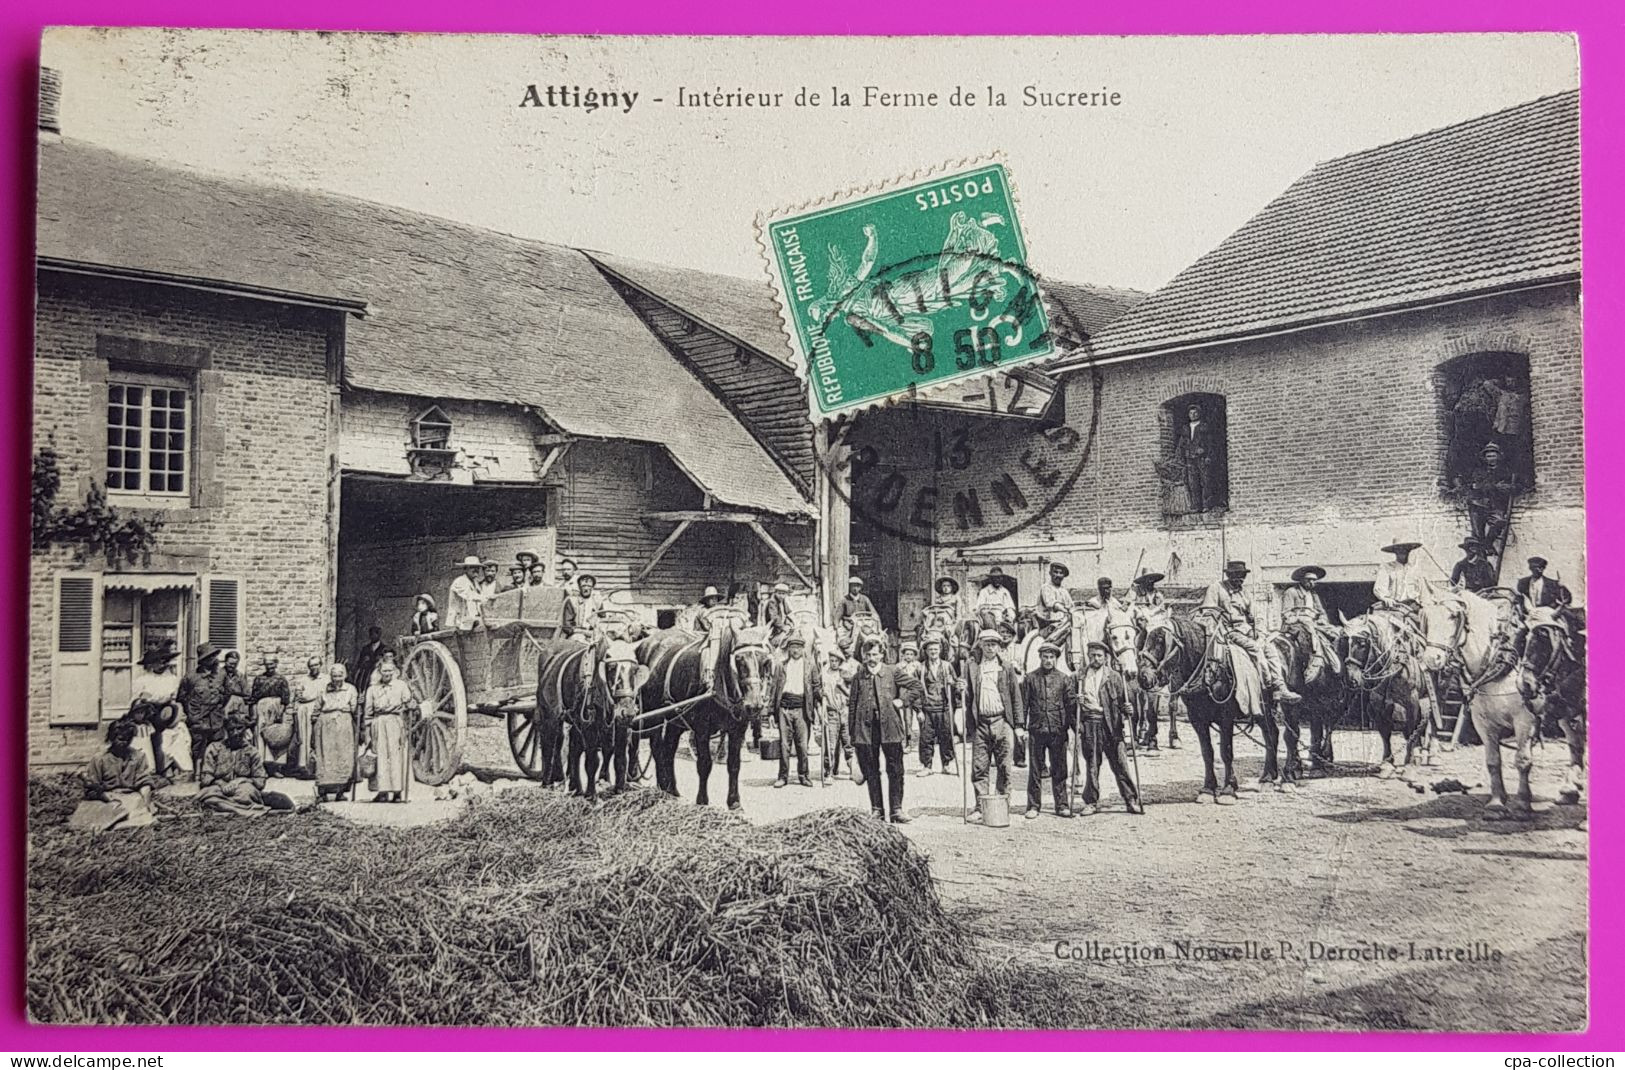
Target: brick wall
{"x":261,"y":455}
{"x":495,"y":442}
{"x":1336,"y":448}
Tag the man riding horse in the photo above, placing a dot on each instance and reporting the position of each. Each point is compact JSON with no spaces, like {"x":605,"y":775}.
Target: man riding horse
{"x":995,"y":609}
{"x":1054,"y":613}
{"x":1231,"y":606}
{"x":1301,"y":607}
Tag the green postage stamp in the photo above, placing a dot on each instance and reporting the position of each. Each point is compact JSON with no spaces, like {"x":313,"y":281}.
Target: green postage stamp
{"x":888,"y":294}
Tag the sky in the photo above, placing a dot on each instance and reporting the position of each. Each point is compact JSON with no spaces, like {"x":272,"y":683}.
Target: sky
{"x":1207,"y":131}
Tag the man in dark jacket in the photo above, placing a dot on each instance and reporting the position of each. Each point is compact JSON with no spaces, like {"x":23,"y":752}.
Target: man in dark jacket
{"x":1048,"y":708}
{"x":992,"y":708}
{"x":875,"y":712}
{"x":1196,"y":450}
{"x":798,"y":688}
{"x":1102,"y":702}
{"x":1538,"y":589}
{"x":203,"y":696}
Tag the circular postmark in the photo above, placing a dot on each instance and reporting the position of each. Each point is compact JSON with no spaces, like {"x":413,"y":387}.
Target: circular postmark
{"x":986,"y":456}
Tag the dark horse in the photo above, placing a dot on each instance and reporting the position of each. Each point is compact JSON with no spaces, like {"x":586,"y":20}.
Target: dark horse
{"x":1382,"y":659}
{"x":1552,"y":680}
{"x":1175,"y":653}
{"x":1323,"y":701}
{"x":592,"y":691}
{"x":744,"y":670}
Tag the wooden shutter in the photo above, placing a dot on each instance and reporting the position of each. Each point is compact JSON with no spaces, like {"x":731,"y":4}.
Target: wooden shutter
{"x":76,"y":670}
{"x":222,"y":622}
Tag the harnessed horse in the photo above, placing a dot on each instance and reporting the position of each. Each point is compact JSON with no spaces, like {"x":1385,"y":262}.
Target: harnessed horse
{"x":735,"y":698}
{"x":1323,"y":699}
{"x":1382,"y":654}
{"x":1176,"y":652}
{"x":1481,"y":647}
{"x":591,"y":690}
{"x":1552,"y":680}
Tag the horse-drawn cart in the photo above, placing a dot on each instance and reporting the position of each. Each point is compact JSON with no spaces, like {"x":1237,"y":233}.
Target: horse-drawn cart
{"x":491,"y":668}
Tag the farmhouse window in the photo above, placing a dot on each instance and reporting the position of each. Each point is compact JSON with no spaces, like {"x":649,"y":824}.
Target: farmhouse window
{"x":1483,"y":399}
{"x":1194,"y":456}
{"x":148,"y":435}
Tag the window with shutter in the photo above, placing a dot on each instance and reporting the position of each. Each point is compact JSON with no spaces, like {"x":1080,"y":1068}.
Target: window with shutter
{"x":223,"y":611}
{"x":76,"y":661}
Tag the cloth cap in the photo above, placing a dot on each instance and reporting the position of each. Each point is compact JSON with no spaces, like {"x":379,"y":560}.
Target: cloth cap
{"x":988,"y":633}
{"x":854,"y":581}
{"x":1489,"y":448}
{"x":909,"y":648}
{"x":1098,"y":645}
{"x":588,"y":576}
{"x":1537,"y":562}
{"x":1049,"y":648}
{"x":931,"y":640}
{"x":1104,"y":581}
{"x":781,"y":588}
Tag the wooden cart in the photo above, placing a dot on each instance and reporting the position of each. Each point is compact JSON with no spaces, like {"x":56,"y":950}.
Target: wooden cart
{"x":490,"y":668}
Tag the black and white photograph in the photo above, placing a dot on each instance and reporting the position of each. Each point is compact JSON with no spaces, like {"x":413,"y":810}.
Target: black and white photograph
{"x":843,"y":533}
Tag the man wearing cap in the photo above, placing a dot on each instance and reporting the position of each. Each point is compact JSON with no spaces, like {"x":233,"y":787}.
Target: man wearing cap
{"x":1489,"y":493}
{"x":994,"y":607}
{"x":835,"y":740}
{"x":1102,"y":704}
{"x":1055,"y":607}
{"x":1538,"y":590}
{"x":797,"y":691}
{"x":583,"y":612}
{"x":855,"y":603}
{"x":1474,"y":571}
{"x":464,"y":603}
{"x":776,"y":615}
{"x":940,"y":695}
{"x":565,"y":574}
{"x":269,"y":697}
{"x":992,"y":705}
{"x":1302,"y":605}
{"x":1238,"y":625}
{"x":1049,"y":706}
{"x":875,"y":714}
{"x":908,"y":653}
{"x":1398,"y":583}
{"x":202,"y":694}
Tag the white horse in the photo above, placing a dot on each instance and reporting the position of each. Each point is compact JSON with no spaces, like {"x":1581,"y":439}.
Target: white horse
{"x":1476,"y":635}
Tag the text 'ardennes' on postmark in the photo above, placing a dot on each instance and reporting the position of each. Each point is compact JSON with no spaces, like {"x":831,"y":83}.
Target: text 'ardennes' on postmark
{"x":887,"y":293}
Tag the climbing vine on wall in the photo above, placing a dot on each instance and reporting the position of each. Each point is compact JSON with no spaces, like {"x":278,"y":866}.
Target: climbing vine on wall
{"x":95,"y":526}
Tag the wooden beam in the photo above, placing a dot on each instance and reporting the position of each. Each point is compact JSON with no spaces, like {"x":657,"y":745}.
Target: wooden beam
{"x":660,"y":551}
{"x":708,"y":516}
{"x":772,"y":544}
{"x":548,"y":438}
{"x":551,"y":459}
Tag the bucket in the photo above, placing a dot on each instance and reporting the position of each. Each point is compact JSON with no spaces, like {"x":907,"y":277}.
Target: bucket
{"x":770,"y":753}
{"x":996,"y":811}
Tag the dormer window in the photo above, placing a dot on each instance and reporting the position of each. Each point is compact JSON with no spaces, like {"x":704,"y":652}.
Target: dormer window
{"x":431,"y":429}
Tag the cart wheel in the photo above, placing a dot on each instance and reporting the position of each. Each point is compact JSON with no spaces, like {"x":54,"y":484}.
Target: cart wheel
{"x":441,"y":726}
{"x":525,"y":741}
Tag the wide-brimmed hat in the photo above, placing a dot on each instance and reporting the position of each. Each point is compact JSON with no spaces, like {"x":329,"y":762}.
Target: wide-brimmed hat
{"x":1096,"y":644}
{"x":994,"y":573}
{"x":207,"y":652}
{"x":950,"y":581}
{"x":781,"y":588}
{"x":1538,"y":562}
{"x":1400,"y":547}
{"x":1236,"y":568}
{"x":1149,"y":579}
{"x":988,"y":633}
{"x":710,"y":592}
{"x":158,"y":657}
{"x":428,"y":599}
{"x":795,"y":639}
{"x":1489,"y":448}
{"x":1057,"y":566}
{"x":1470,"y":544}
{"x":579,"y":576}
{"x":1048,"y":647}
{"x":471,"y":561}
{"x":1303,"y":572}
{"x":522,"y":554}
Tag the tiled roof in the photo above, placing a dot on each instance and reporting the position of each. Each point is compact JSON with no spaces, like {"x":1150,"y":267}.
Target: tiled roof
{"x":1486,"y":204}
{"x":453,"y":310}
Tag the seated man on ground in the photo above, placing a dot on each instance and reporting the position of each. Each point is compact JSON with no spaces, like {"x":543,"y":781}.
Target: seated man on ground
{"x":232,"y":775}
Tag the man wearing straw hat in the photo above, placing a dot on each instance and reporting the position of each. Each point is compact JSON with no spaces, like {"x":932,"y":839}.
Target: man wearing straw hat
{"x":1301,"y":605}
{"x":875,"y":710}
{"x":1398,"y":583}
{"x":798,"y":688}
{"x":203,"y":695}
{"x":464,"y":602}
{"x":1474,"y":571}
{"x":992,"y":704}
{"x":1049,"y":705}
{"x":1239,"y":627}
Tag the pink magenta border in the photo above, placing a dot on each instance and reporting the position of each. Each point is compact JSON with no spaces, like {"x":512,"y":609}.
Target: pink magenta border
{"x":1602,"y":119}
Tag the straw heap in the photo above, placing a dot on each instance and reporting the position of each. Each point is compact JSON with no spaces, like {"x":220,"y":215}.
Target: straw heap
{"x":528,"y":909}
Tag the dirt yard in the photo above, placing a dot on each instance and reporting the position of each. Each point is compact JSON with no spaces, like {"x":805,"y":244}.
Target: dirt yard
{"x":1354,"y":903}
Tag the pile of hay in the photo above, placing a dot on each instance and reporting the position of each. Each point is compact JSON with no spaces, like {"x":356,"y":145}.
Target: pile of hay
{"x":529,"y":909}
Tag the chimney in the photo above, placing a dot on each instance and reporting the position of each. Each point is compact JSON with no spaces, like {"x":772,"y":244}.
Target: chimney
{"x":50,"y":96}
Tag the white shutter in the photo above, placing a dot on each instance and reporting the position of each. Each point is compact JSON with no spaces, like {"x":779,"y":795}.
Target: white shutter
{"x":76,"y":668}
{"x":222,"y":622}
